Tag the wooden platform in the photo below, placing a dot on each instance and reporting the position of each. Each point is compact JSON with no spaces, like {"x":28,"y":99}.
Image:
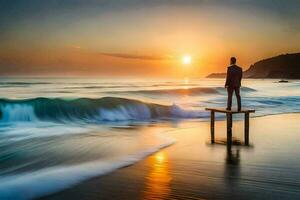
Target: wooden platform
{"x":229,"y":114}
{"x":223,"y":110}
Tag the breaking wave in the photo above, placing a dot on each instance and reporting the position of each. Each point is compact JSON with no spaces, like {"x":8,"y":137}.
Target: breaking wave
{"x":88,"y":110}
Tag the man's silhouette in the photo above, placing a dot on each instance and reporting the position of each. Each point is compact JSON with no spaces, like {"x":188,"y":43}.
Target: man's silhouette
{"x":233,"y":83}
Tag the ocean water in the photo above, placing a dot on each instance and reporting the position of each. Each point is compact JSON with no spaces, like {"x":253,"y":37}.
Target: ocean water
{"x":56,"y":132}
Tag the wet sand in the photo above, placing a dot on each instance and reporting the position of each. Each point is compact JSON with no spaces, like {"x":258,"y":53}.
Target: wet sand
{"x":194,"y":169}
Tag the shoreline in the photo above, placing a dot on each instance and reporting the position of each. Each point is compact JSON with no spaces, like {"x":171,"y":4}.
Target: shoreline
{"x":192,"y":168}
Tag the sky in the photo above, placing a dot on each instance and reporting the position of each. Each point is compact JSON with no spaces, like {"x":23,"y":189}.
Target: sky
{"x":137,"y":38}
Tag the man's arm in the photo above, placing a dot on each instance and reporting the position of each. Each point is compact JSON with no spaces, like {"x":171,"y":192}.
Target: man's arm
{"x":227,"y":78}
{"x":241,"y":76}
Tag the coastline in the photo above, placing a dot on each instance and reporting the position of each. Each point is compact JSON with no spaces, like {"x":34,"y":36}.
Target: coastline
{"x":194,"y":169}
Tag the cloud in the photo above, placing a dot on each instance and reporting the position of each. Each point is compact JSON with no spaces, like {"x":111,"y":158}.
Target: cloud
{"x":135,"y":56}
{"x":75,"y":47}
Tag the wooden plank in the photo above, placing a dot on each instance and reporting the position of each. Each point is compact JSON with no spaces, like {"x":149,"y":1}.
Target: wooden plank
{"x":212,"y":126}
{"x":223,"y":110}
{"x":246,"y":126}
{"x":229,"y":130}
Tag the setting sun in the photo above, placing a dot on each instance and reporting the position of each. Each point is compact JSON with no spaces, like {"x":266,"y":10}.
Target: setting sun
{"x":186,"y":59}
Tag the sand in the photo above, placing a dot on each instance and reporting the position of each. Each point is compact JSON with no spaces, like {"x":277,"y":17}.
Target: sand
{"x":193,"y":168}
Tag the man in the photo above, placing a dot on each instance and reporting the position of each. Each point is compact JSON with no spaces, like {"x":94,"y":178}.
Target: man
{"x":233,"y":83}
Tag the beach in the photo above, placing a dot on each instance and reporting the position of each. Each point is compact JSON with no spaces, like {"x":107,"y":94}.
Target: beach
{"x":128,"y":139}
{"x":192,"y":168}
{"x":135,"y":99}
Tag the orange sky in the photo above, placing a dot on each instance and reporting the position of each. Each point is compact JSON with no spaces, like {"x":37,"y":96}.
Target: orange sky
{"x":139,"y":38}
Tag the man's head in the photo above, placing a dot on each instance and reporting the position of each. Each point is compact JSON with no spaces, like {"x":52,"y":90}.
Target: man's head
{"x":232,"y":60}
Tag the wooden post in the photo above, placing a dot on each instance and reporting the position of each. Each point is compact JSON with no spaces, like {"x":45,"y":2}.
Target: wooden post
{"x":229,"y":114}
{"x":246,"y":126}
{"x":229,"y":130}
{"x":212,"y":126}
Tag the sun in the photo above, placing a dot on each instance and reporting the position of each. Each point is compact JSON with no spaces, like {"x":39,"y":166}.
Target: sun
{"x":186,"y":59}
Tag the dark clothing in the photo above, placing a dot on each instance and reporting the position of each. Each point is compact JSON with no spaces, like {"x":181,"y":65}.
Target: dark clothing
{"x":234,"y":76}
{"x":233,"y":83}
{"x":237,"y":94}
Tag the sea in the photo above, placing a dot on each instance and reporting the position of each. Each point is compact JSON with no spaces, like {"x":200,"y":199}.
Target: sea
{"x":58,"y":132}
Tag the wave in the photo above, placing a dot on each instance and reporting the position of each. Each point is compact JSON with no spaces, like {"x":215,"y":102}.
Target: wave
{"x":46,"y":181}
{"x":184,"y":91}
{"x":21,"y":84}
{"x":25,"y":83}
{"x":101,"y":87}
{"x":87,"y":110}
{"x":178,"y":91}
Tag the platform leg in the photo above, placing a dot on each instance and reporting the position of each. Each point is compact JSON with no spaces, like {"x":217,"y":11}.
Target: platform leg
{"x":246,"y":126}
{"x":212,"y":127}
{"x":229,"y":129}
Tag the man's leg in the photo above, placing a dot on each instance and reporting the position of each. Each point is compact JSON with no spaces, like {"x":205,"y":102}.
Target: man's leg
{"x":229,"y":99}
{"x":238,"y":97}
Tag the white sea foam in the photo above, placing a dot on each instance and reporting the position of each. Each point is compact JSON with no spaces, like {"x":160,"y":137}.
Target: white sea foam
{"x":50,"y":180}
{"x":17,"y":112}
{"x":23,"y":130}
{"x":122,"y":113}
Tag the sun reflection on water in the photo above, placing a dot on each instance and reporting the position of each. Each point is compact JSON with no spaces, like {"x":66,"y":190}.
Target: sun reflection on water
{"x":158,"y":180}
{"x":186,"y":83}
